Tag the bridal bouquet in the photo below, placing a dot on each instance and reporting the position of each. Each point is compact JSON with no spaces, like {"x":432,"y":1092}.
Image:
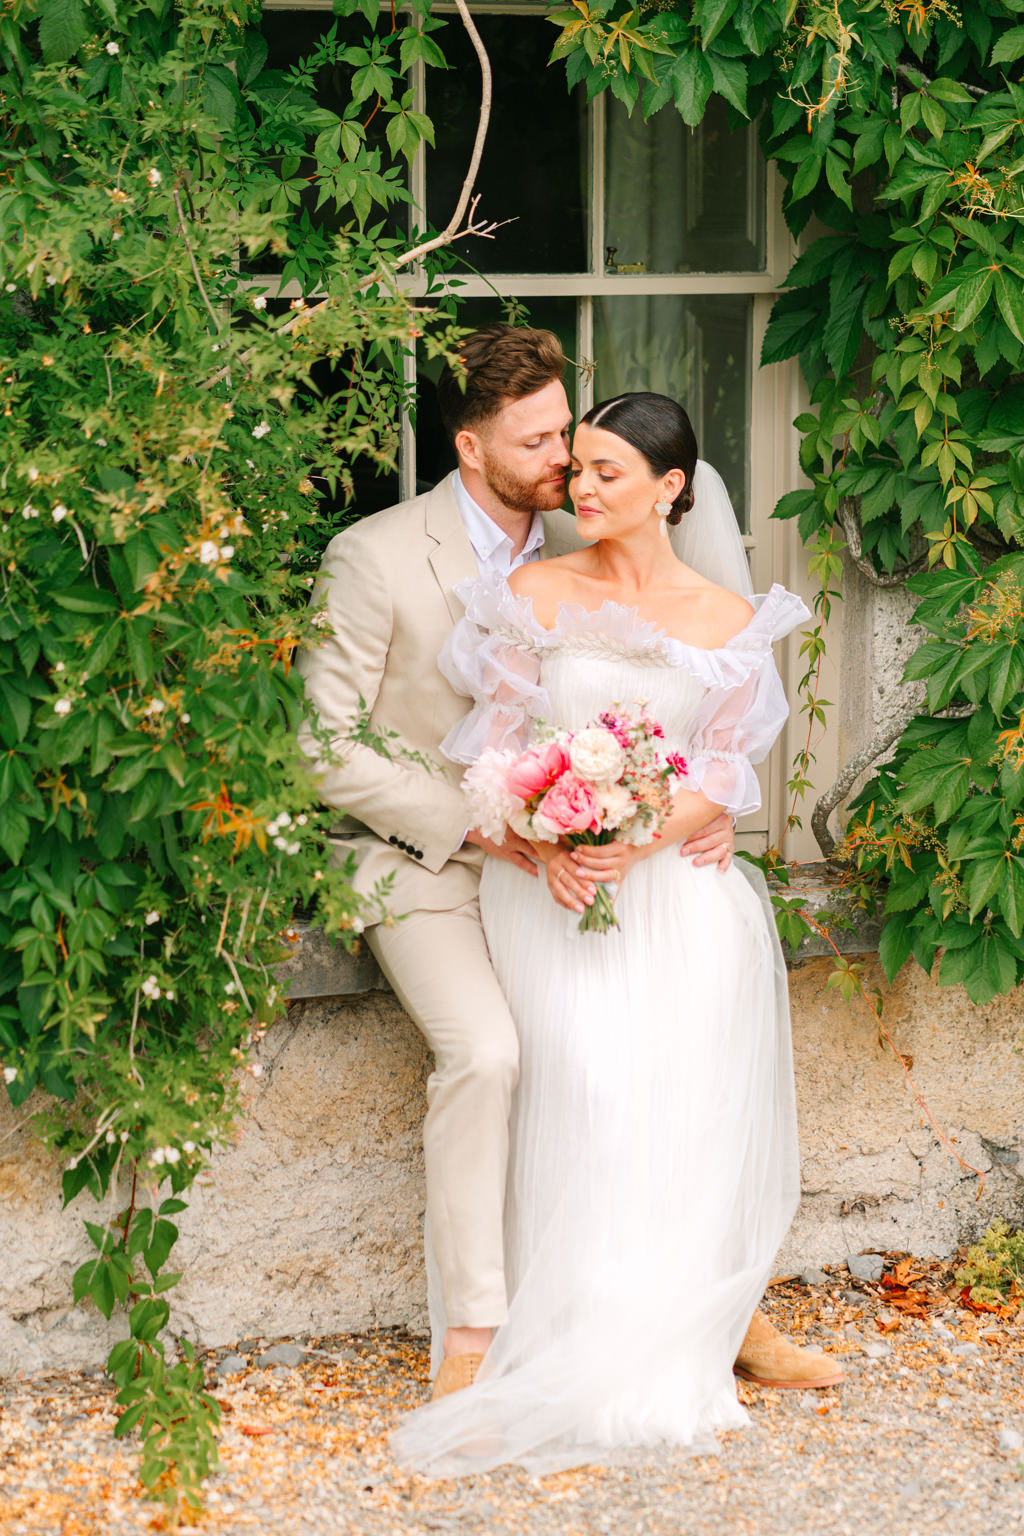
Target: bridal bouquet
{"x":608,"y":782}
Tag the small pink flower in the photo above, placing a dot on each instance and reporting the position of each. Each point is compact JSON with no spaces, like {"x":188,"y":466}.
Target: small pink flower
{"x":570,"y":805}
{"x":537,"y":770}
{"x":677,"y":762}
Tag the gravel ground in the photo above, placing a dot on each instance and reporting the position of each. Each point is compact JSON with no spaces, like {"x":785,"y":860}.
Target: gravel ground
{"x":926,"y":1436}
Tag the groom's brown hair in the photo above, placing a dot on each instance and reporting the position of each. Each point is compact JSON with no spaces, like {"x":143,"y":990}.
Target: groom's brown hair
{"x":500,"y":363}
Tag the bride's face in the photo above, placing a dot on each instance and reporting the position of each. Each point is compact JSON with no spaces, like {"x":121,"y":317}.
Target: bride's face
{"x":612,"y":487}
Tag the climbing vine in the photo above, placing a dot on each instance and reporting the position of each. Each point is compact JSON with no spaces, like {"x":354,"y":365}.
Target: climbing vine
{"x":898,"y":129}
{"x":170,"y":463}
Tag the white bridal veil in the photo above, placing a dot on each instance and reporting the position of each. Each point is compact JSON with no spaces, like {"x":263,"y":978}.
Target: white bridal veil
{"x":708,"y":539}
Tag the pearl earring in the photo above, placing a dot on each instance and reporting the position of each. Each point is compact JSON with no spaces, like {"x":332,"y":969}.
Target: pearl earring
{"x":663,"y":508}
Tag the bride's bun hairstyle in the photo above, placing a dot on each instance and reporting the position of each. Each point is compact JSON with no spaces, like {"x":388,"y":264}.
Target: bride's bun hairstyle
{"x":658,"y":428}
{"x":502,"y":363}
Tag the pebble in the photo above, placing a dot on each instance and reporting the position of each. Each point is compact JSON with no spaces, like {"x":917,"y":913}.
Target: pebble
{"x":944,"y":1402}
{"x":911,"y":1490}
{"x":965,"y":1349}
{"x":852,"y":1298}
{"x":1010,"y":1439}
{"x":876,"y":1351}
{"x":944,"y":1370}
{"x":230,"y":1365}
{"x":281,"y":1354}
{"x":942,"y":1331}
{"x":812,"y":1276}
{"x":865,"y":1266}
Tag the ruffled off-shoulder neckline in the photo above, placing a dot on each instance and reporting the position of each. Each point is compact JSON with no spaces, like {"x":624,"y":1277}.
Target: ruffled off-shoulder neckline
{"x":491,"y":604}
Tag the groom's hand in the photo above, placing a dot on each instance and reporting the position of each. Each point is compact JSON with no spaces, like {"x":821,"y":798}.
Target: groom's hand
{"x":713,"y":844}
{"x":515,"y":849}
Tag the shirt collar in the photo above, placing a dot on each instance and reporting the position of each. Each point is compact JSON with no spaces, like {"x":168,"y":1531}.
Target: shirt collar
{"x":485,"y":536}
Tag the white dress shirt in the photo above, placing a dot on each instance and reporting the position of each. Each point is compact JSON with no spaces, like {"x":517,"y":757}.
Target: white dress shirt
{"x":492,"y":547}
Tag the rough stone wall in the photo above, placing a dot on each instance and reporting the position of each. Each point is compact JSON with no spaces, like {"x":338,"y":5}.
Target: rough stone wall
{"x":311,"y":1222}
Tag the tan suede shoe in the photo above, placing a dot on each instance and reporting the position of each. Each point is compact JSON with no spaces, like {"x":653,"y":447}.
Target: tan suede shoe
{"x":769,"y":1360}
{"x":457,"y":1372}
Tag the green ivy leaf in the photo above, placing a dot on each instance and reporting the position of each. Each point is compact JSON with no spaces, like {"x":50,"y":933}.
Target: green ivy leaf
{"x":63,"y":28}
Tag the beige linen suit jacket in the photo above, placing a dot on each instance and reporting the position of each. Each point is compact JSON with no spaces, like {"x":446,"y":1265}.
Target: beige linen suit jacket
{"x":388,"y":586}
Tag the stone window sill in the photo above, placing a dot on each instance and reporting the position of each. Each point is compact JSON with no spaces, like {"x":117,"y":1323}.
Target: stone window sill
{"x":321,"y":967}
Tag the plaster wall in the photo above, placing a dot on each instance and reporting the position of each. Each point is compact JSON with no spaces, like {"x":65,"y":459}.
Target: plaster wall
{"x":311,"y":1221}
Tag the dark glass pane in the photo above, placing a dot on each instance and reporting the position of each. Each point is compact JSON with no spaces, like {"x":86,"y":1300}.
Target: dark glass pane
{"x":373,"y":486}
{"x":698,"y":351}
{"x":435,"y":456}
{"x":680,"y":199}
{"x":533,"y":167}
{"x":292,"y":38}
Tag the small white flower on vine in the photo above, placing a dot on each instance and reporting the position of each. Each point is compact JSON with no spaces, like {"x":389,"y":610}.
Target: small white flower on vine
{"x":59,"y":667}
{"x":10,"y":1073}
{"x":169,"y":994}
{"x":28,"y":511}
{"x":113,"y":49}
{"x":172,"y":1155}
{"x":124,"y":1137}
{"x":51,"y":281}
{"x":260,"y":301}
{"x":10,"y":287}
{"x":318,"y":874}
{"x":226,"y":551}
{"x":110,"y":1138}
{"x":209,"y":552}
{"x":185,"y":718}
{"x":158,"y":1155}
{"x":292,"y":847}
{"x":155,"y":707}
{"x":117,"y":233}
{"x":60,"y":512}
{"x":256,"y":1069}
{"x":153,"y":176}
{"x":229,"y":987}
{"x":152,"y":917}
{"x":188,"y":1146}
{"x":300,"y":821}
{"x":279,"y":842}
{"x":357,"y":925}
{"x":261,"y":430}
{"x":150,"y":987}
{"x":63,"y":706}
{"x":32,"y":473}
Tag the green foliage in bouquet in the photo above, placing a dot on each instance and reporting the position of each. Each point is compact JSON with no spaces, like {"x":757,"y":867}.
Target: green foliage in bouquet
{"x":896,"y":126}
{"x":166,"y":454}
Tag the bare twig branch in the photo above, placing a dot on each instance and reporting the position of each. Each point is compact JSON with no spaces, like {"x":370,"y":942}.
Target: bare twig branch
{"x":850,"y":521}
{"x":879,"y":743}
{"x":218,"y":320}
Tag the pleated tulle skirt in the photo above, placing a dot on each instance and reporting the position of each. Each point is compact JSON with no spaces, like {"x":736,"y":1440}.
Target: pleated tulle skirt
{"x":653,"y":1172}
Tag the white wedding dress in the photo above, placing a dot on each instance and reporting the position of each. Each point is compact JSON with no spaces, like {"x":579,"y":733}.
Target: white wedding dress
{"x":653,"y":1166}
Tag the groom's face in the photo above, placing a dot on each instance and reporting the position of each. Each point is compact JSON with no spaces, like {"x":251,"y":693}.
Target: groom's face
{"x":522,"y":452}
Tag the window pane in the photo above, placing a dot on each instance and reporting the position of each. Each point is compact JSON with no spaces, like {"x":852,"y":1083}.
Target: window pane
{"x":533,"y":168}
{"x":682,"y":200}
{"x":294,"y":38}
{"x":698,"y":351}
{"x":435,"y":456}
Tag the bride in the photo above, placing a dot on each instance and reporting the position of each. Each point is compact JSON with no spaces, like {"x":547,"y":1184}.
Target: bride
{"x":653,"y":1165}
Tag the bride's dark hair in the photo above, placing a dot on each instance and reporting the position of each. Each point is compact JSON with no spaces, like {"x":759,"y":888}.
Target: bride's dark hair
{"x":658,"y":428}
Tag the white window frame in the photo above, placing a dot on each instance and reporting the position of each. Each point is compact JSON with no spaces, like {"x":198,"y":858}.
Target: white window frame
{"x":774,"y":391}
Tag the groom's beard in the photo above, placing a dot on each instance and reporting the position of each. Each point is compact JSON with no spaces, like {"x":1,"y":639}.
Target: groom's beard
{"x":523,"y":495}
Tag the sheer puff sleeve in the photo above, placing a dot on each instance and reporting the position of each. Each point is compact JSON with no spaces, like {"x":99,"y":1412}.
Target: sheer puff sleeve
{"x":744,"y":708}
{"x":492,"y":656}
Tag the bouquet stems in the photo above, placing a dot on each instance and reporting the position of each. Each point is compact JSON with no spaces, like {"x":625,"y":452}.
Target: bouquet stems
{"x":600,"y":915}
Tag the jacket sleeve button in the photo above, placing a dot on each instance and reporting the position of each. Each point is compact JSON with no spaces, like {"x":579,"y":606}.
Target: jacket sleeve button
{"x":393,"y":840}
{"x":419,"y":853}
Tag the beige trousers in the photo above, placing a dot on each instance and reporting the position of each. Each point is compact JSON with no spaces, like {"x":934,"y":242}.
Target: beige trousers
{"x":438,"y":965}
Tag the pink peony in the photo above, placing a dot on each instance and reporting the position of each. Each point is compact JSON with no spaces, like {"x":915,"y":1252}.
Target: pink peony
{"x":569,"y":806}
{"x":536,"y":770}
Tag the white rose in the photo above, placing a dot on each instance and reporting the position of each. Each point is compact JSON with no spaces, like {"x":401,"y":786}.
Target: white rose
{"x":596,"y":755}
{"x":616,"y":804}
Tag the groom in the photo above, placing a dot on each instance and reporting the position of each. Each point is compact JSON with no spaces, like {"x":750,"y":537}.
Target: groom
{"x":387,"y":585}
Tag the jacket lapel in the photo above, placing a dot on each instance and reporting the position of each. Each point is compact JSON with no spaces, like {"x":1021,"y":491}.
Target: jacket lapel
{"x":452,"y":559}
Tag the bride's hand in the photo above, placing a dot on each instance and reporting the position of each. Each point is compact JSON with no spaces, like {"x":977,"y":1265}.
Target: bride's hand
{"x":569,"y":887}
{"x":609,"y":862}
